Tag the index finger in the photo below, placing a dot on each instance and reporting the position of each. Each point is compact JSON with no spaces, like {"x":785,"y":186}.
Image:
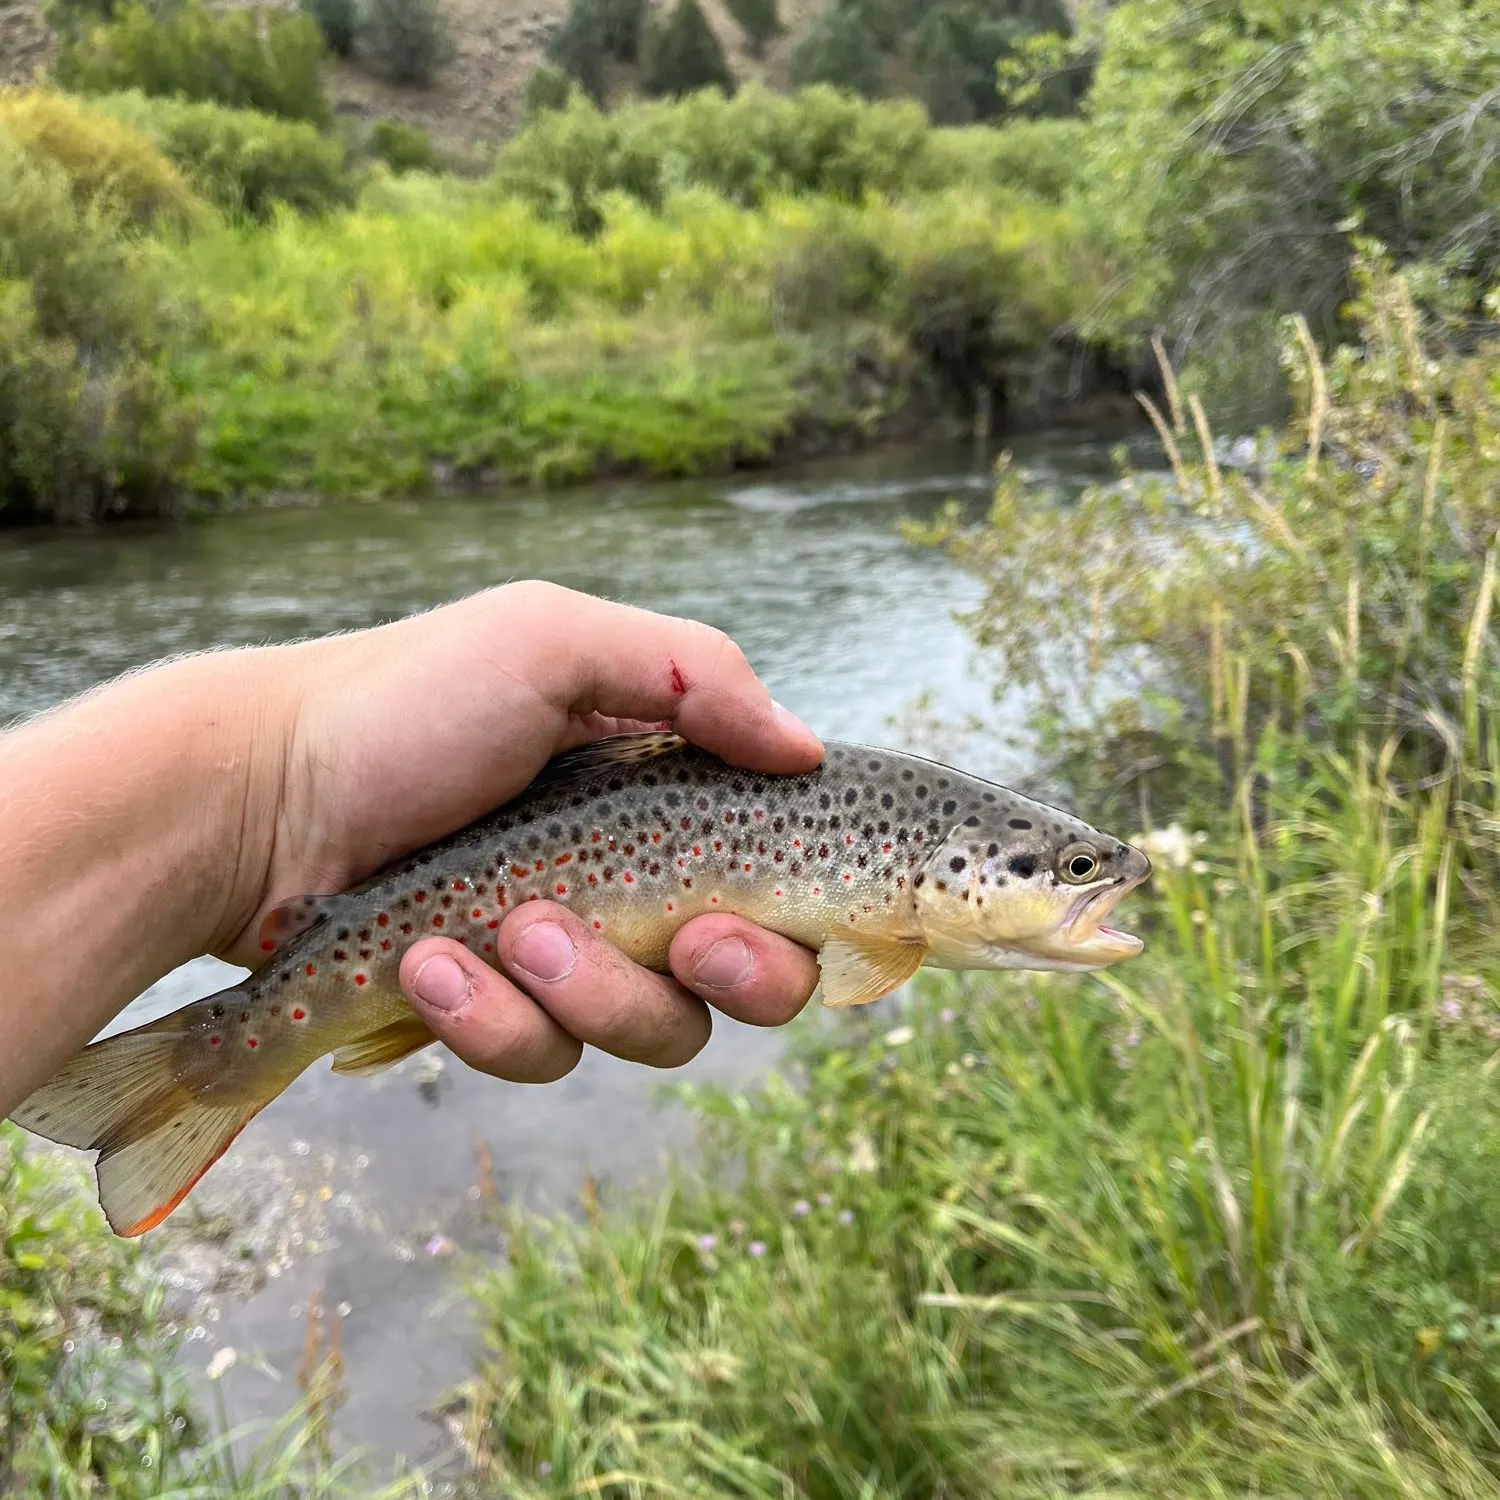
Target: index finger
{"x":623,"y":662}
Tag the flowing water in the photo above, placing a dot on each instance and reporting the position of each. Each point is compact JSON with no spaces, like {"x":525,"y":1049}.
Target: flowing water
{"x":372,"y":1193}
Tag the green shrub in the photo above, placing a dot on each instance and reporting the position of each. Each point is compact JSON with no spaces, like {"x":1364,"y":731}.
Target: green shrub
{"x":547,"y":89}
{"x":89,"y":422}
{"x":402,"y":147}
{"x":338,"y":20}
{"x":758,"y":19}
{"x":683,"y":54}
{"x":101,"y":156}
{"x":958,"y":46}
{"x":838,"y":50}
{"x":265,"y":60}
{"x":593,"y":34}
{"x":68,"y":17}
{"x":244,"y":162}
{"x":407,"y":40}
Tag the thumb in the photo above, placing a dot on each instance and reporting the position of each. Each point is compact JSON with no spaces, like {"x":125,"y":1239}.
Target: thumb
{"x":483,"y":1018}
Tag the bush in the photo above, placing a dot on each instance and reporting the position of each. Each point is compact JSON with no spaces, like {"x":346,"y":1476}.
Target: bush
{"x":101,"y":156}
{"x":958,"y":46}
{"x":758,"y":19}
{"x":402,"y":147}
{"x":338,"y":20}
{"x":683,"y":54}
{"x":89,"y":423}
{"x":406,"y":39}
{"x":547,"y":89}
{"x":244,"y":162}
{"x":264,"y":60}
{"x":838,"y":50}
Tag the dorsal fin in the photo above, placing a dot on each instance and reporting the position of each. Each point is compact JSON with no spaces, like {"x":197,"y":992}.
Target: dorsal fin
{"x":613,"y":751}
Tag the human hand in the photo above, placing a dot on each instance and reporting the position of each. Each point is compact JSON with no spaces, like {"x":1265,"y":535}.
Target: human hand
{"x":400,"y":735}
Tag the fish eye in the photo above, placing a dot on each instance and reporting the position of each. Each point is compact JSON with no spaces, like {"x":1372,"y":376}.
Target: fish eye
{"x":1078,"y":863}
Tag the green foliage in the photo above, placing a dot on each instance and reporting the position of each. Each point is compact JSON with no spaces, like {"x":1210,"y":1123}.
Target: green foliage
{"x":264,"y":60}
{"x":338,"y":20}
{"x":408,"y":40}
{"x":87,"y":1388}
{"x":69,"y":16}
{"x":959,"y":45}
{"x":89,"y":422}
{"x":547,"y":89}
{"x":746,"y":148}
{"x":683,"y":54}
{"x":402,"y":147}
{"x":1240,"y":146}
{"x":595,"y":33}
{"x":102,"y":156}
{"x":758,"y":19}
{"x":839,"y":51}
{"x":244,"y":162}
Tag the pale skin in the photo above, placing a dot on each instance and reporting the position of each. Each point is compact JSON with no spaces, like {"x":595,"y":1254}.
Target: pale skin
{"x":163,"y":815}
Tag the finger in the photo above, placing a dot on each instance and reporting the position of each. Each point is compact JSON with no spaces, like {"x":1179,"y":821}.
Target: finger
{"x":597,"y":994}
{"x":482,"y":1017}
{"x":617,"y":661}
{"x":755,"y":976}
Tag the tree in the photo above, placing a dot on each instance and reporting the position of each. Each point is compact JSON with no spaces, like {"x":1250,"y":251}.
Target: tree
{"x":683,"y":54}
{"x":838,"y":50}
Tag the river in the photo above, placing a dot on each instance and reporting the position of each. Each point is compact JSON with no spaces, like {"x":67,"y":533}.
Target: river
{"x":368,"y":1192}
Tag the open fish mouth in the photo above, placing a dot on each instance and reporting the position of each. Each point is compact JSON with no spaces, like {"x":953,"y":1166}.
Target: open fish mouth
{"x":1085,"y":923}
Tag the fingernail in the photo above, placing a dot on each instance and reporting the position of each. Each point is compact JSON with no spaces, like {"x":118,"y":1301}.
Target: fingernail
{"x":725,"y":965}
{"x":545,"y":951}
{"x":442,"y":984}
{"x":788,"y":720}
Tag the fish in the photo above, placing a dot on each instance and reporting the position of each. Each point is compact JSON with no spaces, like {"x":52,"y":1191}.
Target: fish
{"x":879,"y":860}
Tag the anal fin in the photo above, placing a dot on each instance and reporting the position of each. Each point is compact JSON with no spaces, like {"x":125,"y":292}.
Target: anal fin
{"x":860,"y":967}
{"x":384,"y":1048}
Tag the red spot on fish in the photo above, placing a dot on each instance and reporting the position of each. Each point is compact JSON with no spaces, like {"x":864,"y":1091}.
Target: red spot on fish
{"x":382,"y":920}
{"x":214,"y":1041}
{"x":311,"y":970}
{"x":299,"y":1014}
{"x":361,"y":979}
{"x":562,"y":890}
{"x":541,"y":865}
{"x":460,"y":885}
{"x":781,"y":893}
{"x":489,"y":947}
{"x":406,"y":927}
{"x":718,"y":847}
{"x":847,"y":877}
{"x":493,"y":923}
{"x":817,"y":890}
{"x":477,"y":913}
{"x":679,"y":683}
{"x":597,"y":836}
{"x":598,"y":926}
{"x":593,"y":878}
{"x":437,"y":920}
{"x":697,"y":851}
{"x":385,"y":946}
{"x":670,"y":906}
{"x":887,"y":847}
{"x":520,"y":871}
{"x":849,"y":838}
{"x":796,"y":843}
{"x":656,"y":838}
{"x":268,"y":946}
{"x":629,"y":878}
{"x":747,"y":869}
{"x":252,"y":1042}
{"x":534,"y":896}
{"x":713,"y":900}
{"x":420,"y":897}
{"x":684,"y":824}
{"x":760,"y":815}
{"x":562,"y":859}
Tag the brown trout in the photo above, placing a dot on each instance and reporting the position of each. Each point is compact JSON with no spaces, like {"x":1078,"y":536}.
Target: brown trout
{"x":880,"y":861}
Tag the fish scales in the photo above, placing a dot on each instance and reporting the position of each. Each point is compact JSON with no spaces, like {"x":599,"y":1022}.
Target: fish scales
{"x":879,"y":860}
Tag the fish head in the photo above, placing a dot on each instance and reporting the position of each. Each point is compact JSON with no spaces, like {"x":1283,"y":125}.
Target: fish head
{"x":1025,"y":886}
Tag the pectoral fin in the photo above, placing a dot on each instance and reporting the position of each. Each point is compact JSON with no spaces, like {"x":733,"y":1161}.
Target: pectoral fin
{"x":858,"y":968}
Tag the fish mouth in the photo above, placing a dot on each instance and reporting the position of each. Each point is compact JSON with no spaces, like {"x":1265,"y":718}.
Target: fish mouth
{"x":1084,"y":926}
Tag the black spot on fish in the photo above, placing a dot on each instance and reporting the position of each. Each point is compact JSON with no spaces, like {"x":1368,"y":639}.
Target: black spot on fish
{"x":949,"y":808}
{"x":887,"y":801}
{"x":1023,"y":865}
{"x":957,"y":863}
{"x":825,"y":801}
{"x":851,"y":797}
{"x":916,"y":885}
{"x":972,"y":821}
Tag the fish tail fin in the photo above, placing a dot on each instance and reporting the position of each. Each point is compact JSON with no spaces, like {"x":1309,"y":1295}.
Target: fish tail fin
{"x":156,"y":1135}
